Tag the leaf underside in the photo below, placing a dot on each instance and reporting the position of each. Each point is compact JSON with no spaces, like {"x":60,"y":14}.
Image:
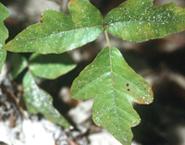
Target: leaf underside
{"x":59,"y":32}
{"x":39,"y":101}
{"x":51,"y":66}
{"x":141,"y":20}
{"x":114,"y":86}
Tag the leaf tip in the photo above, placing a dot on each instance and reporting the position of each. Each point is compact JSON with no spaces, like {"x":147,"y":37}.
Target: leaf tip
{"x":147,"y":98}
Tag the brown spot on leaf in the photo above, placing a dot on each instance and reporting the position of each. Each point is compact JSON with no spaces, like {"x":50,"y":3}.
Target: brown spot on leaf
{"x":140,"y":101}
{"x":71,"y":2}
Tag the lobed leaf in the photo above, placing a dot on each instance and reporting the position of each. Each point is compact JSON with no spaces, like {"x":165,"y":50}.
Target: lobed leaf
{"x":39,"y":101}
{"x":114,"y":86}
{"x":58,"y":32}
{"x":141,"y":20}
{"x":51,"y":66}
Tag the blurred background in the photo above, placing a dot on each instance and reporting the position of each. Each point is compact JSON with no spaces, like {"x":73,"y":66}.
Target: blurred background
{"x":161,"y":62}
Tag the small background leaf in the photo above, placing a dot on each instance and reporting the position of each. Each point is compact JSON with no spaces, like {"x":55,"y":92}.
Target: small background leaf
{"x":51,"y":66}
{"x":2,"y":57}
{"x":114,"y":86}
{"x":140,"y":20}
{"x":18,"y":64}
{"x":3,"y":33}
{"x":39,"y":101}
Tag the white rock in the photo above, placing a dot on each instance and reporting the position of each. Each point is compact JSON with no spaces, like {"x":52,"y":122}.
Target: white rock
{"x":82,"y":112}
{"x":32,"y":132}
{"x":104,"y":138}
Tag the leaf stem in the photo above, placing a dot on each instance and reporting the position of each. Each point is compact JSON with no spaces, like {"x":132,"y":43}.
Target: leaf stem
{"x":107,"y":39}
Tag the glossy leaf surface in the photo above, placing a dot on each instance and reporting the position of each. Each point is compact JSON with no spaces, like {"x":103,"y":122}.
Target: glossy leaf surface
{"x":141,"y":20}
{"x":39,"y":101}
{"x":59,"y":32}
{"x":51,"y":66}
{"x":114,"y":86}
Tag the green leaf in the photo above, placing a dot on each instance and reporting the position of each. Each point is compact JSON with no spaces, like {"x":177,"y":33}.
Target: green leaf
{"x":140,"y":20}
{"x":58,"y":32}
{"x":18,"y":64}
{"x":3,"y":31}
{"x":51,"y":66}
{"x":114,"y":86}
{"x":2,"y":58}
{"x":39,"y":101}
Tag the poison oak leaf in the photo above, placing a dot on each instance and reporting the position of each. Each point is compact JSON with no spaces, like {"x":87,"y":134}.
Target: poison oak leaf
{"x":58,"y":32}
{"x":51,"y":66}
{"x":141,"y":20}
{"x":114,"y":86}
{"x":39,"y":101}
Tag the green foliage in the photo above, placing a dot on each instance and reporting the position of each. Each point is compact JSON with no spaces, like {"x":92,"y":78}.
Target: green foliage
{"x":57,"y":32}
{"x":114,"y":86}
{"x":3,"y":33}
{"x":140,"y":20}
{"x":39,"y":101}
{"x":109,"y":80}
{"x":50,"y":66}
{"x":2,"y":57}
{"x":18,"y":64}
